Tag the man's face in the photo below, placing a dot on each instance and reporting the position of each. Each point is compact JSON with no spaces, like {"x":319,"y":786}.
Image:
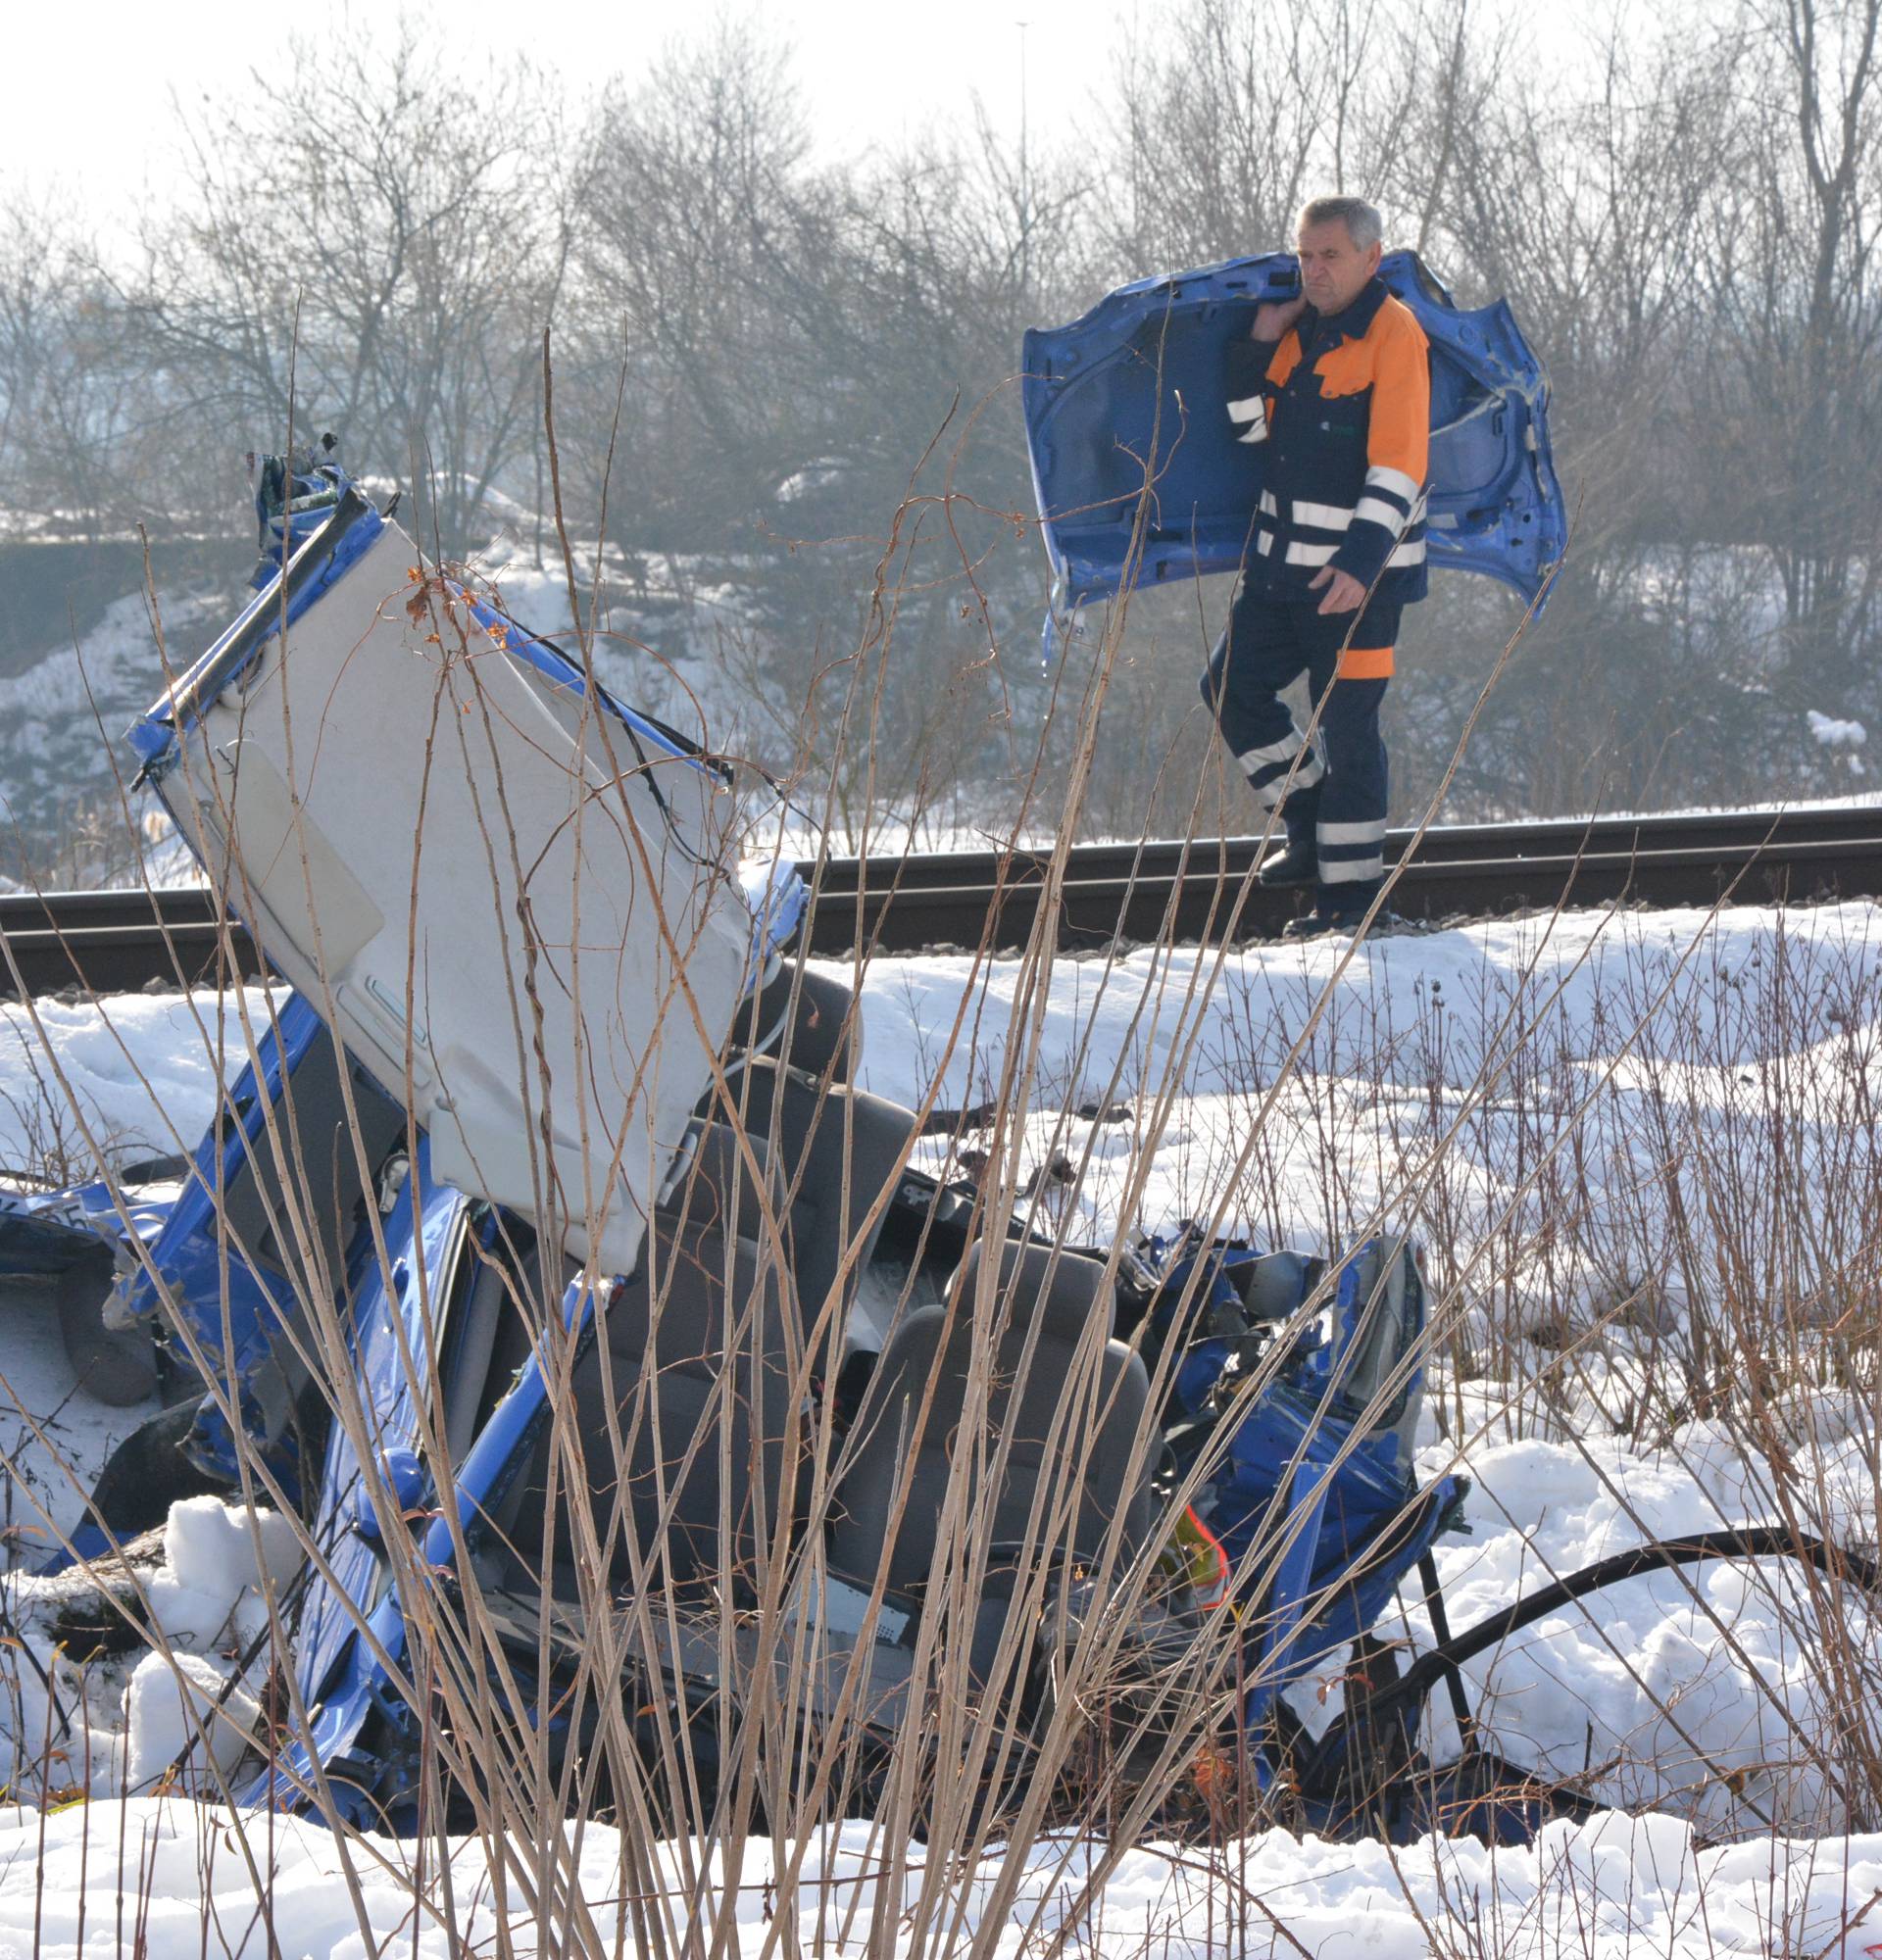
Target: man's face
{"x":1332,"y":267}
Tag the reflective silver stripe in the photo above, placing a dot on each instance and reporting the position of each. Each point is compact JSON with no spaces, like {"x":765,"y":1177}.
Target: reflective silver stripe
{"x":1264,"y":543}
{"x":1322,"y":517}
{"x":1272,"y":794}
{"x":1270,"y":509}
{"x":1253,"y":411}
{"x":1351,"y":870}
{"x":1288,"y":745}
{"x":1382,"y":478}
{"x":1351,"y":833}
{"x":1298,"y":554}
{"x":1411,"y":554}
{"x":1376,"y":510}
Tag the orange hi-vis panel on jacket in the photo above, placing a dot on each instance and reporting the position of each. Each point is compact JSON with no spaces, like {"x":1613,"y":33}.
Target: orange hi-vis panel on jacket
{"x":1341,"y":409}
{"x":1366,"y":663}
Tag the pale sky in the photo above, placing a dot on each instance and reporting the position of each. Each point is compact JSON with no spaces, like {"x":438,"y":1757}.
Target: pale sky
{"x":89,"y":108}
{"x":90,"y":118}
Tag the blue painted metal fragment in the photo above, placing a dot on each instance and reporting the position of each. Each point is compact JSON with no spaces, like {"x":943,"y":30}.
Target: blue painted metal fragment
{"x":355,"y":1628}
{"x":1140,"y":478}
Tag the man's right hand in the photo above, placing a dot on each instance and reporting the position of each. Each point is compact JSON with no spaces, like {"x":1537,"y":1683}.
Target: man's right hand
{"x":1272,"y":318}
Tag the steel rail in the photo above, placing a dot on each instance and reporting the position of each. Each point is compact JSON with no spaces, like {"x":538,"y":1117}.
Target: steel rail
{"x":1170,"y":890}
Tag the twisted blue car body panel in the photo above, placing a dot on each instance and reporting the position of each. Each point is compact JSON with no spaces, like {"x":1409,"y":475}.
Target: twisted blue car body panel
{"x":1141,"y":480}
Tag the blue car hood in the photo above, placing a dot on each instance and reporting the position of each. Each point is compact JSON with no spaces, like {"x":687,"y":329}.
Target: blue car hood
{"x":1136,"y":389}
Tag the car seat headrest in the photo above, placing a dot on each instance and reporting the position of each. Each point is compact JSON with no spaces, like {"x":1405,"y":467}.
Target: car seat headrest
{"x":1064,"y":1289}
{"x":711,"y":1186}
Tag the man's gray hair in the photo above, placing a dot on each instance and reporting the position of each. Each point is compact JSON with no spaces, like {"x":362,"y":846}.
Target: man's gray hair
{"x":1362,"y":219}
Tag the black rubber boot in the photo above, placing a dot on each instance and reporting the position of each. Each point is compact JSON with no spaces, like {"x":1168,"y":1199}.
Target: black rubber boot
{"x":1347,"y":917}
{"x":1297,"y":862}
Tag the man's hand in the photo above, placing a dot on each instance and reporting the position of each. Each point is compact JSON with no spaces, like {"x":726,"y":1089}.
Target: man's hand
{"x":1273,"y":317}
{"x":1344,"y":592}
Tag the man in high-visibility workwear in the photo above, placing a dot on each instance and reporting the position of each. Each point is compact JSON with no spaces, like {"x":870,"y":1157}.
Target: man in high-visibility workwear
{"x":1335,"y":386}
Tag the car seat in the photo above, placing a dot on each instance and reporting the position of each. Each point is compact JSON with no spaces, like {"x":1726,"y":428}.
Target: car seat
{"x":1058,"y":1416}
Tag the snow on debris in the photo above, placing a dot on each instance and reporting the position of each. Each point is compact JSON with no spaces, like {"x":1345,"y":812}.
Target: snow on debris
{"x":54,"y":1438}
{"x":185,"y":1875}
{"x":139,"y":1069}
{"x":97,"y":1713}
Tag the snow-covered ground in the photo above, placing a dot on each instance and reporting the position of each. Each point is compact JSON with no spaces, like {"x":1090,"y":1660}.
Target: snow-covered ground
{"x":184,"y":1879}
{"x":135,"y":1075}
{"x":1312,"y":1088}
{"x":1533,"y":1096}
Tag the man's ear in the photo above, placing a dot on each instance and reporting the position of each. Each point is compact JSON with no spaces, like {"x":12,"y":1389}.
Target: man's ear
{"x":1375,"y":252}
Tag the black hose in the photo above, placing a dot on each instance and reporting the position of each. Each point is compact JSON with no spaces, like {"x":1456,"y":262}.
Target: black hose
{"x":1441,"y":1627}
{"x":1747,"y":1542}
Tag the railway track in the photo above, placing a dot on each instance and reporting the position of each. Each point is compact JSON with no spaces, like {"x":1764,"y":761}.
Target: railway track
{"x":120,"y":941}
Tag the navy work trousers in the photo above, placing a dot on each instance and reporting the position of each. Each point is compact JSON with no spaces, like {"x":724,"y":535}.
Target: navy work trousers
{"x":1337,"y":798}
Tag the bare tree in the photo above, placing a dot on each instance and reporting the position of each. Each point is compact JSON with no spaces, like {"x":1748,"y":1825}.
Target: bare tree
{"x":1791,"y":383}
{"x":382,"y":237}
{"x":1234,"y":112}
{"x":83,"y":435}
{"x":792,"y":373}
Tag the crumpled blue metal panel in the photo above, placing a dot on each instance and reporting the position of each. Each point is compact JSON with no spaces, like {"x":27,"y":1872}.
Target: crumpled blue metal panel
{"x":1126,"y":421}
{"x":355,"y":1619}
{"x":46,"y":1233}
{"x":192,"y":1254}
{"x":1314,"y":1477}
{"x":335,"y":1669}
{"x":1375,"y":1527}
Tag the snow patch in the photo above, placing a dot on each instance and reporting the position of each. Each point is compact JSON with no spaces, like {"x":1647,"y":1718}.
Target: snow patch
{"x":1831,"y":733}
{"x":128,"y":1076}
{"x":175,"y":1707}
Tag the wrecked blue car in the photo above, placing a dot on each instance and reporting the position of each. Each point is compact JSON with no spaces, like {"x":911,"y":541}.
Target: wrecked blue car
{"x":548,"y":1264}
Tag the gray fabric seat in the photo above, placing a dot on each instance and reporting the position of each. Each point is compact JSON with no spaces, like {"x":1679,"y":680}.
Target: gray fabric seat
{"x":890,"y":1455}
{"x":822,"y":1023}
{"x":834,"y":1150}
{"x":683,"y":1402}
